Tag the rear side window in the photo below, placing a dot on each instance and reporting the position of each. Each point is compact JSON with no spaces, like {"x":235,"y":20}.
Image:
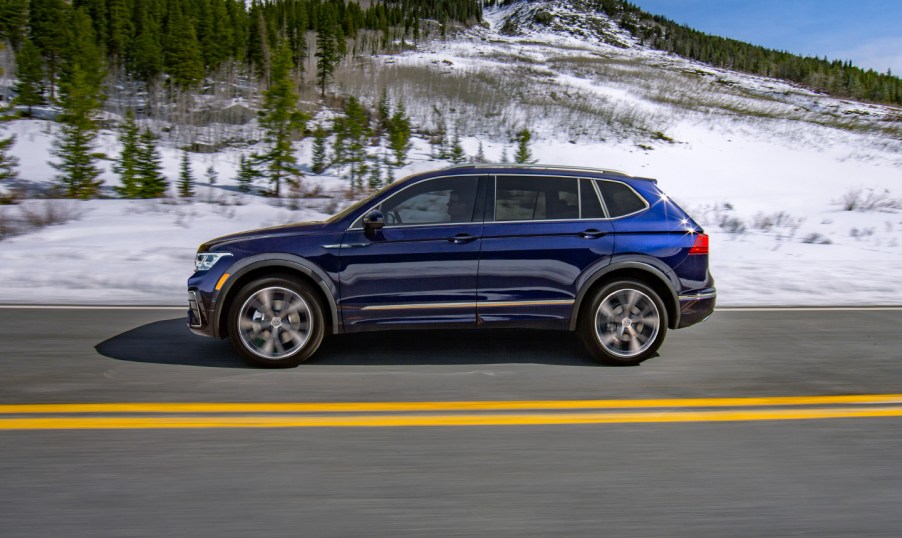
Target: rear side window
{"x":620,"y":199}
{"x":536,"y":198}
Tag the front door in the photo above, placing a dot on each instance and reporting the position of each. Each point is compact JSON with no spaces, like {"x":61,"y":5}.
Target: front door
{"x":421,"y":267}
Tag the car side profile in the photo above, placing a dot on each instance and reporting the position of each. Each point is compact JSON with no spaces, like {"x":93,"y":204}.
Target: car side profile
{"x":597,"y":252}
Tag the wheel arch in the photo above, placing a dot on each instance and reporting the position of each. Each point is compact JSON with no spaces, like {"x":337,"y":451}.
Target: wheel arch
{"x":650,"y":275}
{"x":292,"y":267}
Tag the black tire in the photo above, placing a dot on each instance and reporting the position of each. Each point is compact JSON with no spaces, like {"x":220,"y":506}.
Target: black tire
{"x":624,"y":324}
{"x":276,"y":323}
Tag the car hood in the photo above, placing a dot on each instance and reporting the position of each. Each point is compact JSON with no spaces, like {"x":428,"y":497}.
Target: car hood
{"x":301,"y":228}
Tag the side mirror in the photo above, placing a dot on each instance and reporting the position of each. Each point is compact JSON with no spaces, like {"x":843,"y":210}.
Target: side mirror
{"x":372,"y":221}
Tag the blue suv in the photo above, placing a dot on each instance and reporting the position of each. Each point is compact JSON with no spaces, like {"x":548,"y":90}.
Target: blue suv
{"x":598,"y":252}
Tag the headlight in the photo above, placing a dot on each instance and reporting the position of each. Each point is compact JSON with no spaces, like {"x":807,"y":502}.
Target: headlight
{"x":205,"y":260}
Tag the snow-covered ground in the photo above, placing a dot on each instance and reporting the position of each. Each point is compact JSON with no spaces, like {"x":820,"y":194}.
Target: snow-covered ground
{"x":766,"y":183}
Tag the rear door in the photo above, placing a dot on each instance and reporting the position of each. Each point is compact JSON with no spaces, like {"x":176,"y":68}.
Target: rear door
{"x":542,"y":234}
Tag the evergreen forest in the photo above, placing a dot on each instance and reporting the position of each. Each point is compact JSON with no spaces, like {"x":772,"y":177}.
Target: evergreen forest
{"x":834,"y":77}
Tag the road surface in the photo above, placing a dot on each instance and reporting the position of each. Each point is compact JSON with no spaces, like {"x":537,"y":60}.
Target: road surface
{"x":119,"y":422}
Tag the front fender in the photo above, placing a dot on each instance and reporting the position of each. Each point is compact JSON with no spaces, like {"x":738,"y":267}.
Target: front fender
{"x":283,"y":261}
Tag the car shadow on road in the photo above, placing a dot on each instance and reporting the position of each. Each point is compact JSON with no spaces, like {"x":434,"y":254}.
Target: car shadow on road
{"x":170,"y":342}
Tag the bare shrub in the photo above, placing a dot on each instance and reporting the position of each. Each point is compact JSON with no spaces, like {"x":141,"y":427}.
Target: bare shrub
{"x":50,"y":212}
{"x":10,"y":197}
{"x":866,"y":200}
{"x":815,"y":238}
{"x":780,"y":219}
{"x":733,"y":225}
{"x":861,"y":233}
{"x":721,"y":215}
{"x":7,"y":225}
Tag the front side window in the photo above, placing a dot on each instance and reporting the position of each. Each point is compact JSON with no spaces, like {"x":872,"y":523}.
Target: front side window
{"x":536,"y":198}
{"x":435,"y":201}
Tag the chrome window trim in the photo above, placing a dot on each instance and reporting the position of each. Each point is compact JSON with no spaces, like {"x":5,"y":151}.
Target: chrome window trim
{"x":359,"y":219}
{"x":494,"y":180}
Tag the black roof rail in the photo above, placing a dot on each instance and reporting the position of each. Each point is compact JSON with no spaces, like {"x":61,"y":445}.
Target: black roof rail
{"x":546,"y":167}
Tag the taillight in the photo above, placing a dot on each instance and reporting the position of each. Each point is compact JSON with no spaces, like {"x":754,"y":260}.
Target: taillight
{"x":701,"y":245}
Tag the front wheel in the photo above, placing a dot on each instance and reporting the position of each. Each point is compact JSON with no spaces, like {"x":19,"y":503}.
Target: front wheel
{"x":276,"y":323}
{"x":624,"y":324}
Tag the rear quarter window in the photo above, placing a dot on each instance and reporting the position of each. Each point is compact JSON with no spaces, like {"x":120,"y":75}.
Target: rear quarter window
{"x":620,"y":199}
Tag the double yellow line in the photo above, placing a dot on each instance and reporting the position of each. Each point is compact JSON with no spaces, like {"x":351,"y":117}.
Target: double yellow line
{"x":79,"y":416}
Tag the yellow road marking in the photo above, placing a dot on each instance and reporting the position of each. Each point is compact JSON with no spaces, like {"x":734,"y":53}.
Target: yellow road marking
{"x":85,"y":423}
{"x":351,"y":407}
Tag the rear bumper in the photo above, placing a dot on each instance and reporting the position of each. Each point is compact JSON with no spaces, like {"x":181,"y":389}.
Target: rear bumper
{"x":696,"y":307}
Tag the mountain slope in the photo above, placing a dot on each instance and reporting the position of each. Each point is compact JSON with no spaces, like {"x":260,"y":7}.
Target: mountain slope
{"x":765,"y":165}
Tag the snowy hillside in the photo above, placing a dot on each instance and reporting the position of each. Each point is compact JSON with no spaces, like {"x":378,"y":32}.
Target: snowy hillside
{"x":764,"y":165}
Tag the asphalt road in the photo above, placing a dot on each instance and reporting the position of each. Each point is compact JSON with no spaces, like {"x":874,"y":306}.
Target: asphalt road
{"x":749,"y":474}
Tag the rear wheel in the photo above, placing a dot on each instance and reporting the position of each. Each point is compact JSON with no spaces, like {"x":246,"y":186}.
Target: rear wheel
{"x":625,"y":324}
{"x":276,"y":323}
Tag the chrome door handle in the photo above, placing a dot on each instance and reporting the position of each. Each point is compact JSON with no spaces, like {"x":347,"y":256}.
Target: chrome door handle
{"x":592,"y":233}
{"x":460,"y":239}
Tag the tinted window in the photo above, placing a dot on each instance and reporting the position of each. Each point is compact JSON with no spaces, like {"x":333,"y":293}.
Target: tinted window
{"x":449,"y":199}
{"x":536,"y":198}
{"x":591,"y":206}
{"x":620,"y":199}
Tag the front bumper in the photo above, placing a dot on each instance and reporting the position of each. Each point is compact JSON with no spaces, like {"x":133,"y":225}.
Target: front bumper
{"x":199,"y":315}
{"x":696,"y":307}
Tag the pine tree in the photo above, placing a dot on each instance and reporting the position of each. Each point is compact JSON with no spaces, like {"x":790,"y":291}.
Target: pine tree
{"x":383,"y":112}
{"x":80,"y":98}
{"x":374,"y":180}
{"x":327,"y":50}
{"x":320,"y":136}
{"x":281,"y":121}
{"x":247,"y":174}
{"x":356,"y":130}
{"x":145,"y":59}
{"x":127,"y":164}
{"x":8,"y":163}
{"x":480,"y":154}
{"x":150,"y":170}
{"x":30,"y":72}
{"x":339,"y":146}
{"x":399,"y":135}
{"x":456,"y":155}
{"x":523,"y":154}
{"x":14,"y":21}
{"x":218,"y":47}
{"x":119,"y":30}
{"x":50,"y":24}
{"x":186,"y":179}
{"x":183,"y":59}
{"x":212,"y":176}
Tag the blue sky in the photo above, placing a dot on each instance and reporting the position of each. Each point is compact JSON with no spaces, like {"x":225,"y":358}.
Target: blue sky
{"x":868,"y":32}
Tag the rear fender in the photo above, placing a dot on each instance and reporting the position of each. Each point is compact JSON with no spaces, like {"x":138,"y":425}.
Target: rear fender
{"x":641,"y":266}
